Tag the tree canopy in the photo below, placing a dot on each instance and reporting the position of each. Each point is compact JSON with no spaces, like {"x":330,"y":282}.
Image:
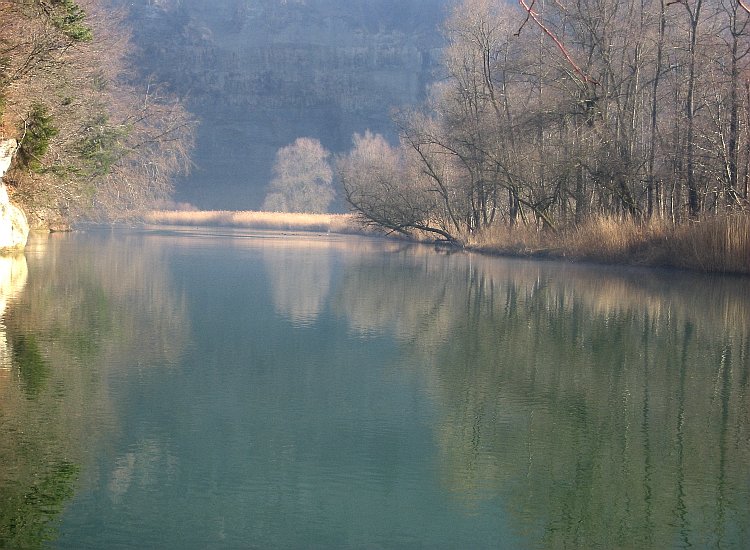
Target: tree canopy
{"x":552,"y":114}
{"x":95,"y":141}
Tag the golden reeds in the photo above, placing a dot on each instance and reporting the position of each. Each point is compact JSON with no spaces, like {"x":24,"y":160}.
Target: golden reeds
{"x":719,"y":244}
{"x":280,"y":221}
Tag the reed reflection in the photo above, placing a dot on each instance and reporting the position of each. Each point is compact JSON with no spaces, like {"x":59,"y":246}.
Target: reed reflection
{"x":604,"y":408}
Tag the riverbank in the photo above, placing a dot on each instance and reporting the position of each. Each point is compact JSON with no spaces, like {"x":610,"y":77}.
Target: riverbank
{"x":712,"y":245}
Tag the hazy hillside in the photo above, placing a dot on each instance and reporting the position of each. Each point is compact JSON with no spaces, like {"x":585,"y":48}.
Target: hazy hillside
{"x":260,"y":73}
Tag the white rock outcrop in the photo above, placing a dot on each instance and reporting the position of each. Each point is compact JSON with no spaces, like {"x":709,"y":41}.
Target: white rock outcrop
{"x":14,"y":227}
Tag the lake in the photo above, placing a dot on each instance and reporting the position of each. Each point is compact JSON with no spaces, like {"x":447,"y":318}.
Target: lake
{"x":219,"y":389}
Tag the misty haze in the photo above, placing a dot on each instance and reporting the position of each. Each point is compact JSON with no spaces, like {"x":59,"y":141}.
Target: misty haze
{"x":259,"y":74}
{"x":374,"y":274}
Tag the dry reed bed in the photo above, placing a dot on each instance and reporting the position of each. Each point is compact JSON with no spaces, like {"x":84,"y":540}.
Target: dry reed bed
{"x":718,"y":244}
{"x":329,"y":223}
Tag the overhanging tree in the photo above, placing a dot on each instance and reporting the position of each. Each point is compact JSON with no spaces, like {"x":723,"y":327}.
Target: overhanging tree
{"x":95,"y":141}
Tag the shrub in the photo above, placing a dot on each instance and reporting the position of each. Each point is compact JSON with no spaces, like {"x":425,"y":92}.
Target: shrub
{"x":36,"y":131}
{"x":70,"y":18}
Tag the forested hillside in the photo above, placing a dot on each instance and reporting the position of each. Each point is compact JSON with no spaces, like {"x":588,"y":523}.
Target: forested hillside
{"x":96,"y":141}
{"x":259,"y":74}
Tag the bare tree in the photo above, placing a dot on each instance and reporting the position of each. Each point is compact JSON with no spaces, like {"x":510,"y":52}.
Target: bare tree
{"x":634,"y":108}
{"x":386,"y":189}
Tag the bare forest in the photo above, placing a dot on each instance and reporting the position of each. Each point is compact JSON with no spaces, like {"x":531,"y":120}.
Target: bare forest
{"x":95,"y":141}
{"x":556,"y":115}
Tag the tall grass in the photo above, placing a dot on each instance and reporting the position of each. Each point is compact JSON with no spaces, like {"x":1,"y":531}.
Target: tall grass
{"x":279,"y":221}
{"x":718,"y":244}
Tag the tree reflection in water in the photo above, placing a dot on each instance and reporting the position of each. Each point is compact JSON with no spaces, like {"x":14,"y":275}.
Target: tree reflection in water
{"x":605,"y":408}
{"x":300,"y":277}
{"x":598,"y":407}
{"x":71,"y":320}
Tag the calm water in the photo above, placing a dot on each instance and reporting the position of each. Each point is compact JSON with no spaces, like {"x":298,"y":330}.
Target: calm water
{"x":206,"y":390}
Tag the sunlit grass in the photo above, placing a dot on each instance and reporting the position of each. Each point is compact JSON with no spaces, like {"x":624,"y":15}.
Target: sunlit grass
{"x":714,"y":244}
{"x":717,"y":244}
{"x":281,"y":221}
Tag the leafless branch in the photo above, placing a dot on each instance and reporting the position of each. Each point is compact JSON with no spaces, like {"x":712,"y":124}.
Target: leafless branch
{"x":528,"y":8}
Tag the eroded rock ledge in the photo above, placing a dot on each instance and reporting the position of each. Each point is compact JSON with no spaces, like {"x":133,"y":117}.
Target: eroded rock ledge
{"x":14,"y":226}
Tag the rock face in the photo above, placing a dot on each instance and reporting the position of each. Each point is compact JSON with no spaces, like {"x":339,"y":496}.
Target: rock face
{"x":258,"y":74}
{"x":7,"y":150}
{"x":14,"y":227}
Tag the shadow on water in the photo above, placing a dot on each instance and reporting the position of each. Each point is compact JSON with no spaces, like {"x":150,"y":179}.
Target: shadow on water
{"x":71,"y":317}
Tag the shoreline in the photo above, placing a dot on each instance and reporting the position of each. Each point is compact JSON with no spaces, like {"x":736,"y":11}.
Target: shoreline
{"x":719,"y":245}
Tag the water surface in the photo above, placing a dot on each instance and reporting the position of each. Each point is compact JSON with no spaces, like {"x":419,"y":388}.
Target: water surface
{"x":208,"y":389}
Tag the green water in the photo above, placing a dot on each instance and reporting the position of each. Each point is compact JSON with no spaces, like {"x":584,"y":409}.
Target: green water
{"x":227,"y":390}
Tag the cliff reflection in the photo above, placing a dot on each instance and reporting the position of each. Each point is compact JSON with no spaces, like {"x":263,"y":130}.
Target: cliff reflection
{"x":87,"y":312}
{"x":604,"y":408}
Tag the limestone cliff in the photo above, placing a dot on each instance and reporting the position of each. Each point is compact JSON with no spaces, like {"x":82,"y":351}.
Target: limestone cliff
{"x":14,"y":227}
{"x":260,"y":73}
